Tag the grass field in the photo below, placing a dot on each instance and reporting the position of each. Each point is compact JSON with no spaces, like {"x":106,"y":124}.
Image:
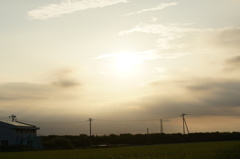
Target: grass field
{"x":211,"y":150}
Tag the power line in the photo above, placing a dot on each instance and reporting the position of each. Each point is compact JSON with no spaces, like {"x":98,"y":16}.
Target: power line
{"x":127,"y":120}
{"x":225,"y":114}
{"x":72,"y":122}
{"x":171,"y":124}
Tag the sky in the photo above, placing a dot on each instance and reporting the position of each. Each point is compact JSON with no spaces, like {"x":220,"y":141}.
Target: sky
{"x":124,"y":63}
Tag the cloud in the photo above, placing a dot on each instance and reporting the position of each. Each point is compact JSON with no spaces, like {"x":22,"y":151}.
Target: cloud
{"x":39,"y":102}
{"x":35,"y":99}
{"x":184,"y":38}
{"x":23,"y":91}
{"x":63,"y":78}
{"x":159,"y":7}
{"x":65,"y":83}
{"x":222,"y":40}
{"x":161,"y":29}
{"x":172,"y":40}
{"x":69,"y":6}
{"x":198,"y":96}
{"x":219,"y":94}
{"x":232,"y":64}
{"x":15,"y":91}
{"x":235,"y":60}
{"x":167,"y":34}
{"x":228,"y":37}
{"x":145,"y":55}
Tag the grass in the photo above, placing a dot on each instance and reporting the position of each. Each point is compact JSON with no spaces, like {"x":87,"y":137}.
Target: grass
{"x":210,"y":150}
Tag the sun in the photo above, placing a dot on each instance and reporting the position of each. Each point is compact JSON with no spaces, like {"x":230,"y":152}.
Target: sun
{"x":126,"y":62}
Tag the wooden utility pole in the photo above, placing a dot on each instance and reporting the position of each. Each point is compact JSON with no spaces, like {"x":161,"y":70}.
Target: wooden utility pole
{"x":161,"y":126}
{"x":90,"y":133}
{"x":184,"y":124}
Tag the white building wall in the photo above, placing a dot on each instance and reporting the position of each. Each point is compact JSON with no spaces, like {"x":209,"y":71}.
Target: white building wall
{"x":12,"y":136}
{"x":24,"y":136}
{"x":7,"y":134}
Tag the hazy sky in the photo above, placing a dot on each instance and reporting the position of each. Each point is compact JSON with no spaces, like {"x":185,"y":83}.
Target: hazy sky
{"x":122,"y":63}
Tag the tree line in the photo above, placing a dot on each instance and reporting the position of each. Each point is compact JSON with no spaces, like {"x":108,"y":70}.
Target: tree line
{"x":56,"y":142}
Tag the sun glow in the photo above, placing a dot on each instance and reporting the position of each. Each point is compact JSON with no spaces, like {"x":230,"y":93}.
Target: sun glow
{"x":127,"y":62}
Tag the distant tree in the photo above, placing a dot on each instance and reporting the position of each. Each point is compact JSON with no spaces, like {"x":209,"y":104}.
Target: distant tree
{"x":82,"y":141}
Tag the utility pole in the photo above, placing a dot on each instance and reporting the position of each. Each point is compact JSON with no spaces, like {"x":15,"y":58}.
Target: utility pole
{"x":147,"y":131}
{"x":161,"y":126}
{"x":13,"y":117}
{"x":90,"y":126}
{"x":184,"y":124}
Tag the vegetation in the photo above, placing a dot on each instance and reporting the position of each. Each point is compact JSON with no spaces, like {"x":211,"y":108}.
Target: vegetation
{"x":82,"y":141}
{"x":208,"y":150}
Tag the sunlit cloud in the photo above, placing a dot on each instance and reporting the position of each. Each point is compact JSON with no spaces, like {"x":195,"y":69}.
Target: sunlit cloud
{"x":166,"y":33}
{"x":175,"y":38}
{"x":160,"y":70}
{"x":150,"y":54}
{"x":162,"y":29}
{"x":145,"y":55}
{"x":154,"y":19}
{"x":159,"y":7}
{"x":69,"y":6}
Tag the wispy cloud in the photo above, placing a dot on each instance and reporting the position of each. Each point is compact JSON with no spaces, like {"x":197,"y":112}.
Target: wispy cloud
{"x":175,"y":38}
{"x":63,"y":79}
{"x":232,"y":64}
{"x":145,"y":55}
{"x":159,"y":7}
{"x":202,"y":96}
{"x":166,"y":33}
{"x":226,"y":39}
{"x":69,"y":6}
{"x":23,"y":91}
{"x":227,"y":35}
{"x":234,"y":61}
{"x":162,"y":29}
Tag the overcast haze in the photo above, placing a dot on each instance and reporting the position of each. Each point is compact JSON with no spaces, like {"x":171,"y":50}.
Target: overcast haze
{"x":124,"y":63}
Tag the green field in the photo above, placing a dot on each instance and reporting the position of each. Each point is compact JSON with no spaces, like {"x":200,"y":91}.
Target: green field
{"x":210,"y":150}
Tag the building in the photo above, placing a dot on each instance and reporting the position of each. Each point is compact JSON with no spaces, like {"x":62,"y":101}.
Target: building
{"x":15,"y":133}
